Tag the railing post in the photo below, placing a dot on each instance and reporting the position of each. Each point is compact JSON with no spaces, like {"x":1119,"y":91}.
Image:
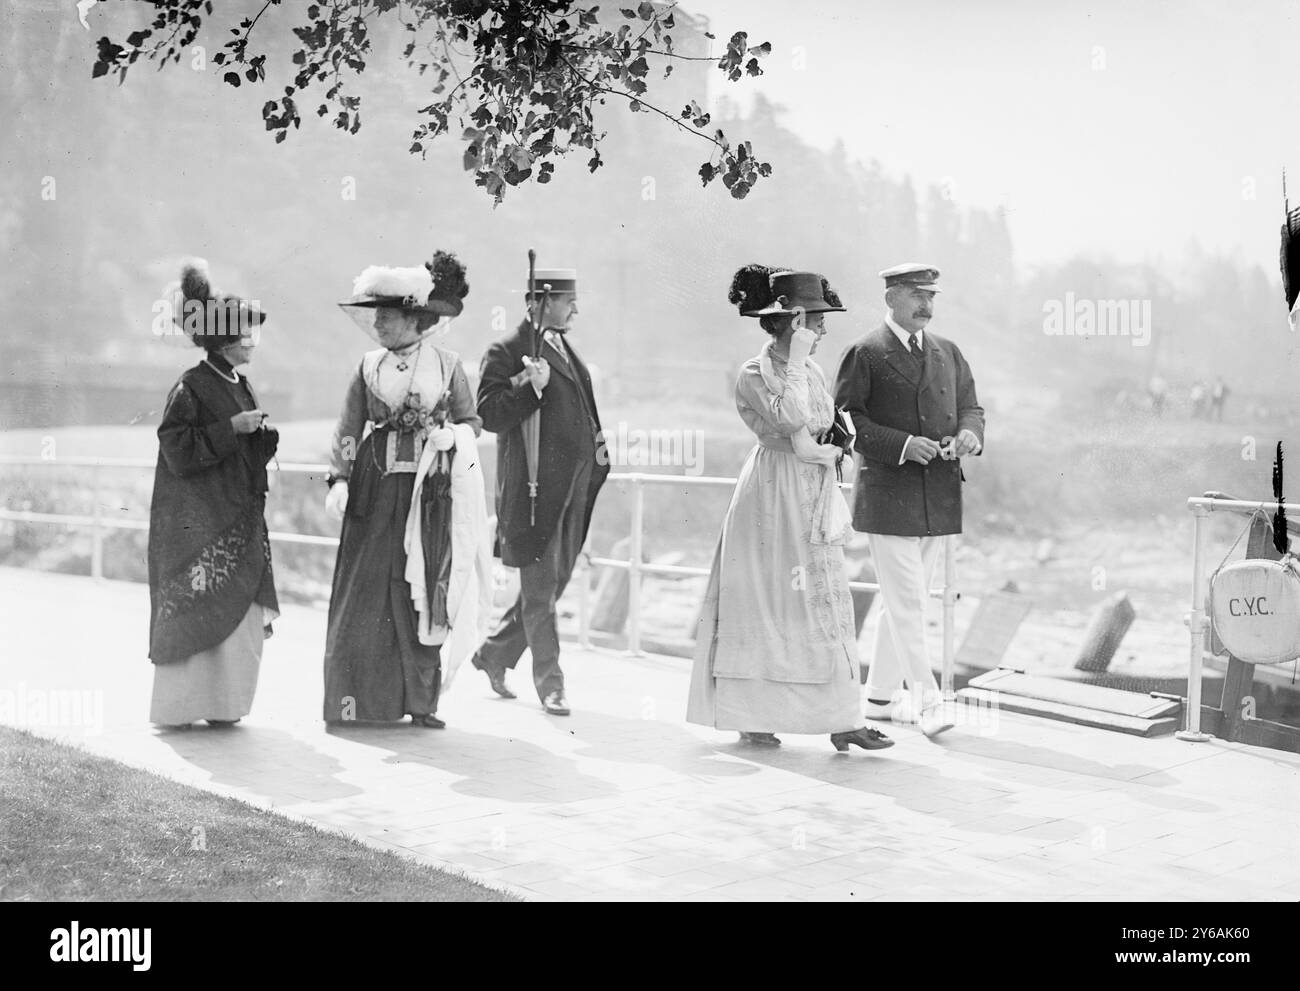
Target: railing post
{"x":634,"y":569}
{"x":1196,"y":627}
{"x":584,"y":600}
{"x":96,"y":531}
{"x":949,"y":604}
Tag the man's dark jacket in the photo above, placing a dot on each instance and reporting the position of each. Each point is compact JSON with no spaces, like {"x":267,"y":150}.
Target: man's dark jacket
{"x":890,"y":394}
{"x":570,"y":435}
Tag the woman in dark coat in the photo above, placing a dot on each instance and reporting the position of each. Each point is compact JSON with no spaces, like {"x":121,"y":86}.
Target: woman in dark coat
{"x":404,"y":395}
{"x":210,"y":583}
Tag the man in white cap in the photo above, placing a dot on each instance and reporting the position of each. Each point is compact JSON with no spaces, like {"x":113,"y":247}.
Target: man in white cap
{"x":540,"y":533}
{"x":912,"y":399}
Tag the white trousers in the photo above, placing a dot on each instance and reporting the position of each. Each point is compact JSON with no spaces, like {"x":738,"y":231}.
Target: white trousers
{"x":904,"y":569}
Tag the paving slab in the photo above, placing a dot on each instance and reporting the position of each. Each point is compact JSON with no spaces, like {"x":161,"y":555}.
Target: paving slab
{"x":625,"y":800}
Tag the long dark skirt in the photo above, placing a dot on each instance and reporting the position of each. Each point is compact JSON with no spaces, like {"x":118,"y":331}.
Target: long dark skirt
{"x":375,"y":666}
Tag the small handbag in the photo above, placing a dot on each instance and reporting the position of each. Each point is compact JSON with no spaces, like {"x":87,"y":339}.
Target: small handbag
{"x":841,"y":433}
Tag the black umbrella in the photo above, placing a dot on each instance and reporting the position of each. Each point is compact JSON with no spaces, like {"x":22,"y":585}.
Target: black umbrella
{"x":435,"y":533}
{"x":532,"y":426}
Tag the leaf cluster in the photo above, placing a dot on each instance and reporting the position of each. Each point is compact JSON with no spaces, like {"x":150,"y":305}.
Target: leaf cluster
{"x":518,"y":82}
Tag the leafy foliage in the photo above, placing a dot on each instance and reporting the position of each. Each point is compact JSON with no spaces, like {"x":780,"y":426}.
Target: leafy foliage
{"x":517,"y":81}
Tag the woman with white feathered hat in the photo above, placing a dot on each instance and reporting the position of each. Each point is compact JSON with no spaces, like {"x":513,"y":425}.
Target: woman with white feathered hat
{"x":405,"y":437}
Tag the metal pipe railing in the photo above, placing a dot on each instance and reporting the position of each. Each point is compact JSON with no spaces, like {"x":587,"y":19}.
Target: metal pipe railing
{"x":634,"y":564}
{"x":1196,"y":625}
{"x":634,"y":584}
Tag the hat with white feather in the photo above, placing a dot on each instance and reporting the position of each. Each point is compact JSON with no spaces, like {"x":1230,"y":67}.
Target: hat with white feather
{"x":430,"y":292}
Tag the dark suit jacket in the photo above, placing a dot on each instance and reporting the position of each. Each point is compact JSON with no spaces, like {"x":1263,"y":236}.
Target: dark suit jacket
{"x":890,"y":395}
{"x":570,"y":434}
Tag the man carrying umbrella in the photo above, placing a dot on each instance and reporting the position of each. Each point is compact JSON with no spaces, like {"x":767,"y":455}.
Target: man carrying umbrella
{"x":535,"y":394}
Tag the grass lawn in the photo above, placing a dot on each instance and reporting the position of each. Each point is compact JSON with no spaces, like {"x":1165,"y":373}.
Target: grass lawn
{"x":75,"y":826}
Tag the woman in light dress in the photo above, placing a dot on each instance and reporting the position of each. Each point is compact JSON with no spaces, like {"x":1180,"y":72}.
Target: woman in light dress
{"x":776,"y":646}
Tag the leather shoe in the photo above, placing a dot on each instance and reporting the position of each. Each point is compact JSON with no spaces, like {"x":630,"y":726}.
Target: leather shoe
{"x":864,"y":737}
{"x":556,"y":704}
{"x":760,"y":739}
{"x":497,"y":679}
{"x":933,"y":721}
{"x":428,"y":720}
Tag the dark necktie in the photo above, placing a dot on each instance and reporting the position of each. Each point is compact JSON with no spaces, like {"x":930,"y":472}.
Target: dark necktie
{"x":913,"y":347}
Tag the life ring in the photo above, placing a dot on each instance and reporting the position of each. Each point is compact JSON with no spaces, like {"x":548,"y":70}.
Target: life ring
{"x":1255,"y":608}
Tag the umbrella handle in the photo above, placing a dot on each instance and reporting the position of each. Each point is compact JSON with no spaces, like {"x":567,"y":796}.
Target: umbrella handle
{"x":538,"y":313}
{"x":535,"y":319}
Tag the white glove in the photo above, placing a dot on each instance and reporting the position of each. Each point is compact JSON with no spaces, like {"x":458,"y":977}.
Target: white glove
{"x":442,"y":438}
{"x":828,"y":454}
{"x":538,"y":372}
{"x":807,"y":449}
{"x":336,"y":501}
{"x":801,"y":345}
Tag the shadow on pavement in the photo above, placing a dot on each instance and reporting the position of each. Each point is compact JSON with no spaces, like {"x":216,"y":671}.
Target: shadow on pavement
{"x":269,"y":762}
{"x":501,"y":768}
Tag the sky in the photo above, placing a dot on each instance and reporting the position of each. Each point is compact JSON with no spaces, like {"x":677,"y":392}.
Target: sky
{"x":1123,"y":129}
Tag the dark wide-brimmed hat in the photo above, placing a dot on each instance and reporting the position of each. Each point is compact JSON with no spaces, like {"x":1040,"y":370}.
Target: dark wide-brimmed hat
{"x":797,"y":292}
{"x":429,"y":292}
{"x":212,"y":320}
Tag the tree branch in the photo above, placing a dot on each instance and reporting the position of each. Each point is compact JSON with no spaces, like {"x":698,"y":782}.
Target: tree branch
{"x":598,"y":89}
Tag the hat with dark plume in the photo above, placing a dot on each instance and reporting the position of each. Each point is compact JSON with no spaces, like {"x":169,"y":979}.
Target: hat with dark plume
{"x":759,"y":291}
{"x":831,"y":296}
{"x":429,"y":292}
{"x":1290,"y":255}
{"x":751,"y":287}
{"x":449,"y":283}
{"x":213,"y":320}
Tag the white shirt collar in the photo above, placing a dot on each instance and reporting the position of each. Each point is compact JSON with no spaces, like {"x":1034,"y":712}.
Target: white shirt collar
{"x":556,"y":340}
{"x":902,"y":334}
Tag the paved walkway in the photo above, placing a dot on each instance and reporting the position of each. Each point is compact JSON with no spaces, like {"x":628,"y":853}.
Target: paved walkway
{"x":625,"y":800}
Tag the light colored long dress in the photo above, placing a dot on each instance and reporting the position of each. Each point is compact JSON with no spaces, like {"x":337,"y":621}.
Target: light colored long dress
{"x":218,"y":683}
{"x":776,"y":645}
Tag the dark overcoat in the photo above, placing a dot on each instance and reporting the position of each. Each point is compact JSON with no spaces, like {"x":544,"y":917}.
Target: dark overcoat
{"x":209,"y":553}
{"x":570,"y":433}
{"x":890,"y":394}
